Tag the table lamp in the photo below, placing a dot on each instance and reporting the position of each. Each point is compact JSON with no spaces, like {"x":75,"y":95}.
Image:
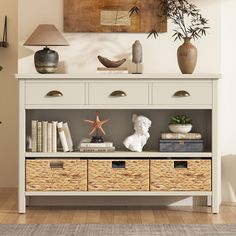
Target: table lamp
{"x":46,"y":60}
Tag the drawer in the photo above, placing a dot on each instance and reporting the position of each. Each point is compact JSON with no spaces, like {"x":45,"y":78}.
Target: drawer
{"x":56,"y":175}
{"x":182,"y":93}
{"x":118,"y":93}
{"x":55,"y":93}
{"x":180,"y":175}
{"x":118,"y":175}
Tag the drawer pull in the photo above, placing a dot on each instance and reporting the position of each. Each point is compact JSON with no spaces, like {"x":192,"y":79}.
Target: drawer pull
{"x":118,"y":93}
{"x":56,"y":165}
{"x":118,"y":164}
{"x":180,"y":164}
{"x":54,"y":93}
{"x":181,"y":93}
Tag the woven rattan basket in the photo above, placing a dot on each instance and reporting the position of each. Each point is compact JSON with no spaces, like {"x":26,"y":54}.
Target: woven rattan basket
{"x":118,"y":175}
{"x":56,"y":175}
{"x":180,"y":175}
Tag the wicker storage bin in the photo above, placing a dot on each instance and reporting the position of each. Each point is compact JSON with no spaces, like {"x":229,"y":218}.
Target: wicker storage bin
{"x":180,"y":175}
{"x":118,"y":175}
{"x":56,"y":175}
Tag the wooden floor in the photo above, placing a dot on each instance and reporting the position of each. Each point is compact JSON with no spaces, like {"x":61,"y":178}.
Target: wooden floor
{"x":111,"y":215}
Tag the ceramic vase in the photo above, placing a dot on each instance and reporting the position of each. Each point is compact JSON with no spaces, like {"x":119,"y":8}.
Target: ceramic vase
{"x":187,"y":56}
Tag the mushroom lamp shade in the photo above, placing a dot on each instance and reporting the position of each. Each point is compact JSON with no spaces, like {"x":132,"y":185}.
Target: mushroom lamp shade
{"x":46,"y":60}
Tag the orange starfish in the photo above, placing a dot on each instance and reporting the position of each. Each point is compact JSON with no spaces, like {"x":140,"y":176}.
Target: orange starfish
{"x":97,"y":124}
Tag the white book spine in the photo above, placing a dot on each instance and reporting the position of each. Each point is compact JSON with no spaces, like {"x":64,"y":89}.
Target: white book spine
{"x":62,"y":137}
{"x":95,"y":145}
{"x":68,"y":136}
{"x":54,"y":136}
{"x":49,"y":137}
{"x":45,"y":136}
{"x":39,"y":136}
{"x":34,"y":124}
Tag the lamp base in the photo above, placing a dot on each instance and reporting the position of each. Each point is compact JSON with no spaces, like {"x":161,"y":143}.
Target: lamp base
{"x":46,"y":61}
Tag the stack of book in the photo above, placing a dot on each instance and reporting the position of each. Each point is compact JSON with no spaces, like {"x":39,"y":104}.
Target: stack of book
{"x":44,"y":136}
{"x":179,"y":142}
{"x":122,"y":70}
{"x":96,"y":147}
{"x":181,"y":136}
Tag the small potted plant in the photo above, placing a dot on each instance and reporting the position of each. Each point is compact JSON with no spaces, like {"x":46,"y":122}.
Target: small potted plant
{"x":180,"y":124}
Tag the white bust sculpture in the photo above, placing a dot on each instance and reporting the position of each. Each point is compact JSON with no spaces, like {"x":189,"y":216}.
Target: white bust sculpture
{"x":136,"y":141}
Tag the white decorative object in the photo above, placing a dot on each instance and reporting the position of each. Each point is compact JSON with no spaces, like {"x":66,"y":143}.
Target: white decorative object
{"x":184,"y":129}
{"x":137,"y":141}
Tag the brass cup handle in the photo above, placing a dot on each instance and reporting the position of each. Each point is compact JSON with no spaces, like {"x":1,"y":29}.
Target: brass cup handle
{"x":54,"y":93}
{"x":181,"y":93}
{"x":118,"y":93}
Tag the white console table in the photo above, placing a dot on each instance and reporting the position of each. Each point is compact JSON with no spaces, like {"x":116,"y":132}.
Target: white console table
{"x":151,"y":94}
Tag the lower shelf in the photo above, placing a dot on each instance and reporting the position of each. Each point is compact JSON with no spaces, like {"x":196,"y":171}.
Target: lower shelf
{"x":120,"y":193}
{"x":124,"y":154}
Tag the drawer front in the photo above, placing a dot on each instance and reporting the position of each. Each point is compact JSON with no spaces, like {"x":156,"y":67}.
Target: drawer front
{"x":118,"y":175}
{"x":56,"y":175}
{"x":48,"y":93}
{"x":118,"y":93}
{"x":182,"y":93}
{"x":180,"y":175}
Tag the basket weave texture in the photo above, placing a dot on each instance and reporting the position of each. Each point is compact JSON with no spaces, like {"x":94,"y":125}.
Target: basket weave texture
{"x":134,"y":177}
{"x":165,"y":177}
{"x":70,"y":175}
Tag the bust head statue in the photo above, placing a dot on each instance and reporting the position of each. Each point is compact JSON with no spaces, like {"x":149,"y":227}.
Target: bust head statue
{"x":136,"y":141}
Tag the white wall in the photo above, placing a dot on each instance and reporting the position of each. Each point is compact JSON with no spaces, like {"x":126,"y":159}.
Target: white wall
{"x":8,"y":98}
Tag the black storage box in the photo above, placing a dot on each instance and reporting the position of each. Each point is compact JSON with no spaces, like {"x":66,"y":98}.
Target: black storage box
{"x":183,"y":145}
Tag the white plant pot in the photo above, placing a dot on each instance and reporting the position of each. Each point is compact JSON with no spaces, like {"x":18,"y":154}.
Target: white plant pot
{"x":184,"y":129}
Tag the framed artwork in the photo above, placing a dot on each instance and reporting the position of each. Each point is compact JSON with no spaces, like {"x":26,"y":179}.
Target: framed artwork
{"x":112,"y":16}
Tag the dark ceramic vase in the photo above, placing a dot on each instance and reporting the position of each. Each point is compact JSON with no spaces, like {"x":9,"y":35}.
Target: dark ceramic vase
{"x":187,"y":56}
{"x":46,"y":61}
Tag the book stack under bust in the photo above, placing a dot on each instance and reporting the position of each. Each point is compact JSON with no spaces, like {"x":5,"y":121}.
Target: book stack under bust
{"x":181,"y":142}
{"x":96,"y":147}
{"x":44,"y":136}
{"x":119,"y":70}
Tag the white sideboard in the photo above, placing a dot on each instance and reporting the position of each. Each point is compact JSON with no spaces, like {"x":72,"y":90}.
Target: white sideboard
{"x":149,"y":94}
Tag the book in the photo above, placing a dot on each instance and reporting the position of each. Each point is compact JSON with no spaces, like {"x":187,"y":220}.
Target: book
{"x":54,"y":136}
{"x":39,"y":136}
{"x":34,"y":124}
{"x":94,"y":145}
{"x":68,"y":136}
{"x":181,"y":136}
{"x":112,"y":70}
{"x":97,"y":149}
{"x":62,"y":137}
{"x":49,"y":141}
{"x":44,"y":136}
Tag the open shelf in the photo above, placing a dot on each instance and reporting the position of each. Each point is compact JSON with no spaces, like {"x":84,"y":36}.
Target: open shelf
{"x":120,"y":126}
